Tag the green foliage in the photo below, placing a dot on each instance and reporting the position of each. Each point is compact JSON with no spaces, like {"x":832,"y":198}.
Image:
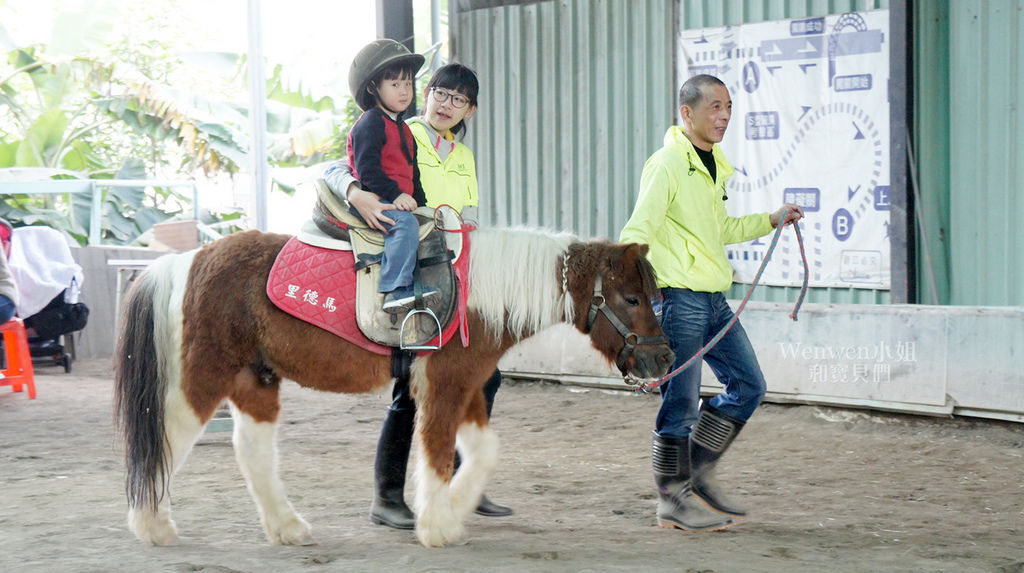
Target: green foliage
{"x":278,"y":91}
{"x":56,"y":126}
{"x":86,"y":107}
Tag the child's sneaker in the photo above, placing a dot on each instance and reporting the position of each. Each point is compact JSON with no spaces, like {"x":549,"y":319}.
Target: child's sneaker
{"x":402,"y":299}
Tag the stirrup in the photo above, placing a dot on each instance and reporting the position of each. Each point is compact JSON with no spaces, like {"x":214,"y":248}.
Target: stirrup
{"x":401,"y":332}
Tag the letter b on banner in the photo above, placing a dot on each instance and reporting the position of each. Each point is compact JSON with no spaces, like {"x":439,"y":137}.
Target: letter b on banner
{"x":842,"y":224}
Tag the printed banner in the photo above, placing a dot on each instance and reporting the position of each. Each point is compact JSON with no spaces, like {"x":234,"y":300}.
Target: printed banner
{"x":810,"y":125}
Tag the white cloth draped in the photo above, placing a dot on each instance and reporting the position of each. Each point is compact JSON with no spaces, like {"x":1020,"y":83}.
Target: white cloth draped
{"x":42,"y":266}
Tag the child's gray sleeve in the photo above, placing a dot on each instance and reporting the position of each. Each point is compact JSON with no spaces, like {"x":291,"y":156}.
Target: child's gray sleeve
{"x":338,"y":177}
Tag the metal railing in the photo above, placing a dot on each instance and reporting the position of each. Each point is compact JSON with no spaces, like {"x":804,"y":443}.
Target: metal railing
{"x":91,"y":186}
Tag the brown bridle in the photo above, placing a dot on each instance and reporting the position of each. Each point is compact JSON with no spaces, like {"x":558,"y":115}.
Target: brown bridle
{"x":630,"y":339}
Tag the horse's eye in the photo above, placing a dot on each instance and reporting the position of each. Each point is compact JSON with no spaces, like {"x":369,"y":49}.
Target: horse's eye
{"x":632,"y":301}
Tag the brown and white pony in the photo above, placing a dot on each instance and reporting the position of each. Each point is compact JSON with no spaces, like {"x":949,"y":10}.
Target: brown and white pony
{"x":198,"y":329}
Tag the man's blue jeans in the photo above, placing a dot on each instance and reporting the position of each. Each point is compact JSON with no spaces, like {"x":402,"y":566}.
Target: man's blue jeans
{"x":690,"y":320}
{"x":400,"y":247}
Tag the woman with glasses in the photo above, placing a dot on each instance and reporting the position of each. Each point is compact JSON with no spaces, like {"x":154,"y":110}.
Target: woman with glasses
{"x":448,"y":176}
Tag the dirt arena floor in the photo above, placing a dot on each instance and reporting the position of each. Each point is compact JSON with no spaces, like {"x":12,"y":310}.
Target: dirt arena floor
{"x":831,"y":489}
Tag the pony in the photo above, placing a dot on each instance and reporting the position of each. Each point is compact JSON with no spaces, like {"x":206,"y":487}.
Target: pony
{"x":198,"y":330}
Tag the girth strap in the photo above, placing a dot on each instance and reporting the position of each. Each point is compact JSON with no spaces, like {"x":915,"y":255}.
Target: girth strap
{"x":448,"y":255}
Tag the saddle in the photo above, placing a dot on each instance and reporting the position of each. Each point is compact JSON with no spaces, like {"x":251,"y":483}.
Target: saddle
{"x":421,"y":328}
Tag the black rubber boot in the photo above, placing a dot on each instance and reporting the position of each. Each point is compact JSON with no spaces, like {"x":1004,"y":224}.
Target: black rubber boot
{"x":486,"y":507}
{"x":678,"y":507}
{"x":389,"y":506}
{"x":491,"y":390}
{"x":711,"y":436}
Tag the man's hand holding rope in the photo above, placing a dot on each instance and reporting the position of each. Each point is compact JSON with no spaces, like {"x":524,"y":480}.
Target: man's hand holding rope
{"x":791,"y":212}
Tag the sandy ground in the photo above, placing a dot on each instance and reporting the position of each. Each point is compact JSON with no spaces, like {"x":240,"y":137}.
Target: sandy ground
{"x":831,"y":489}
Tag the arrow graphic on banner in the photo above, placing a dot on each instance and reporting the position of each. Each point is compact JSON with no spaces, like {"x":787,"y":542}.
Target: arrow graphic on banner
{"x":808,"y":49}
{"x":859,"y":135}
{"x":805,"y":66}
{"x":806,"y":109}
{"x":851,"y":191}
{"x":771,"y":69}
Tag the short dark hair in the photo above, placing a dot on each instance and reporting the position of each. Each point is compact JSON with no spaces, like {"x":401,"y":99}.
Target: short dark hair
{"x":692,"y":92}
{"x":459,"y":78}
{"x":396,"y":71}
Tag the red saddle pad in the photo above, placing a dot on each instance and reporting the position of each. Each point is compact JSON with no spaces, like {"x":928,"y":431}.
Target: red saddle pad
{"x":318,"y":286}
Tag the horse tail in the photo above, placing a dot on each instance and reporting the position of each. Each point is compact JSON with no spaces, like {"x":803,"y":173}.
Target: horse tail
{"x":140,"y":386}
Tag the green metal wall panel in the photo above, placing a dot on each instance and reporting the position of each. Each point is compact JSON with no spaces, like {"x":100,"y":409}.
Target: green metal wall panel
{"x":574,"y":96}
{"x":577,"y":93}
{"x":930,"y":146}
{"x":708,"y":13}
{"x":986,"y":155}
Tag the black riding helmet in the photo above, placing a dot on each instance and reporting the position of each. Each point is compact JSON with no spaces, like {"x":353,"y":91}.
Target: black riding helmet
{"x":373,"y":58}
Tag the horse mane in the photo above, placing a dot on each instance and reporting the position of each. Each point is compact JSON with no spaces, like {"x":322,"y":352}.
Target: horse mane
{"x":515,"y":283}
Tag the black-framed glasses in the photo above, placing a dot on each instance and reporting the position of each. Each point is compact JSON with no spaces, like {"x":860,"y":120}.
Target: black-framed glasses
{"x":458,"y":101}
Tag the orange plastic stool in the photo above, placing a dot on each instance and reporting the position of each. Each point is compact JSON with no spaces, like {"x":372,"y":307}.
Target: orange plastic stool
{"x":19,"y":361}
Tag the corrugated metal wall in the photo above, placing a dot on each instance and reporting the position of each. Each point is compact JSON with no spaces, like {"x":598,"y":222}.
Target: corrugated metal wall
{"x":986,"y":159}
{"x":574,"y":96}
{"x":969,"y":90}
{"x":930,"y":146}
{"x":577,"y":93}
{"x":707,"y":13}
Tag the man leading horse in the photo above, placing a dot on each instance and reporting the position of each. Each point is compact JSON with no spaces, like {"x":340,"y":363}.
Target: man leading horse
{"x":680,"y":212}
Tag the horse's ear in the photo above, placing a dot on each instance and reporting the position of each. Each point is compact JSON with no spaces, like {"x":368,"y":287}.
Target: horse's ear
{"x":647,"y":274}
{"x":637,"y":249}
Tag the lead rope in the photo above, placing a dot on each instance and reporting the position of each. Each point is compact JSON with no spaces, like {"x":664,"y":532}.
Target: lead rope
{"x":793,"y":315}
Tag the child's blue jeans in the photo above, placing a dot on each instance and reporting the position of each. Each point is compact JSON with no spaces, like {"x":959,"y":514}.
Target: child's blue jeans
{"x":400,"y":246}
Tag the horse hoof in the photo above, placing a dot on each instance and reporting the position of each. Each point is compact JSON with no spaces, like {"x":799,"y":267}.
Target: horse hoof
{"x":305,"y":540}
{"x":294,"y":531}
{"x":153,"y":529}
{"x":166,"y":540}
{"x":439,"y":537}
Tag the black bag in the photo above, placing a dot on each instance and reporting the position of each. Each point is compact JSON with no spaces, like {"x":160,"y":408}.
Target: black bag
{"x":58,"y":317}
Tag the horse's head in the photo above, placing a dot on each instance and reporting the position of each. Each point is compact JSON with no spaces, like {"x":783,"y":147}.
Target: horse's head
{"x":612,"y":286}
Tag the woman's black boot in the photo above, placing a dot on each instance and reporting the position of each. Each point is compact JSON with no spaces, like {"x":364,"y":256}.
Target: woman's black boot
{"x":389,"y":507}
